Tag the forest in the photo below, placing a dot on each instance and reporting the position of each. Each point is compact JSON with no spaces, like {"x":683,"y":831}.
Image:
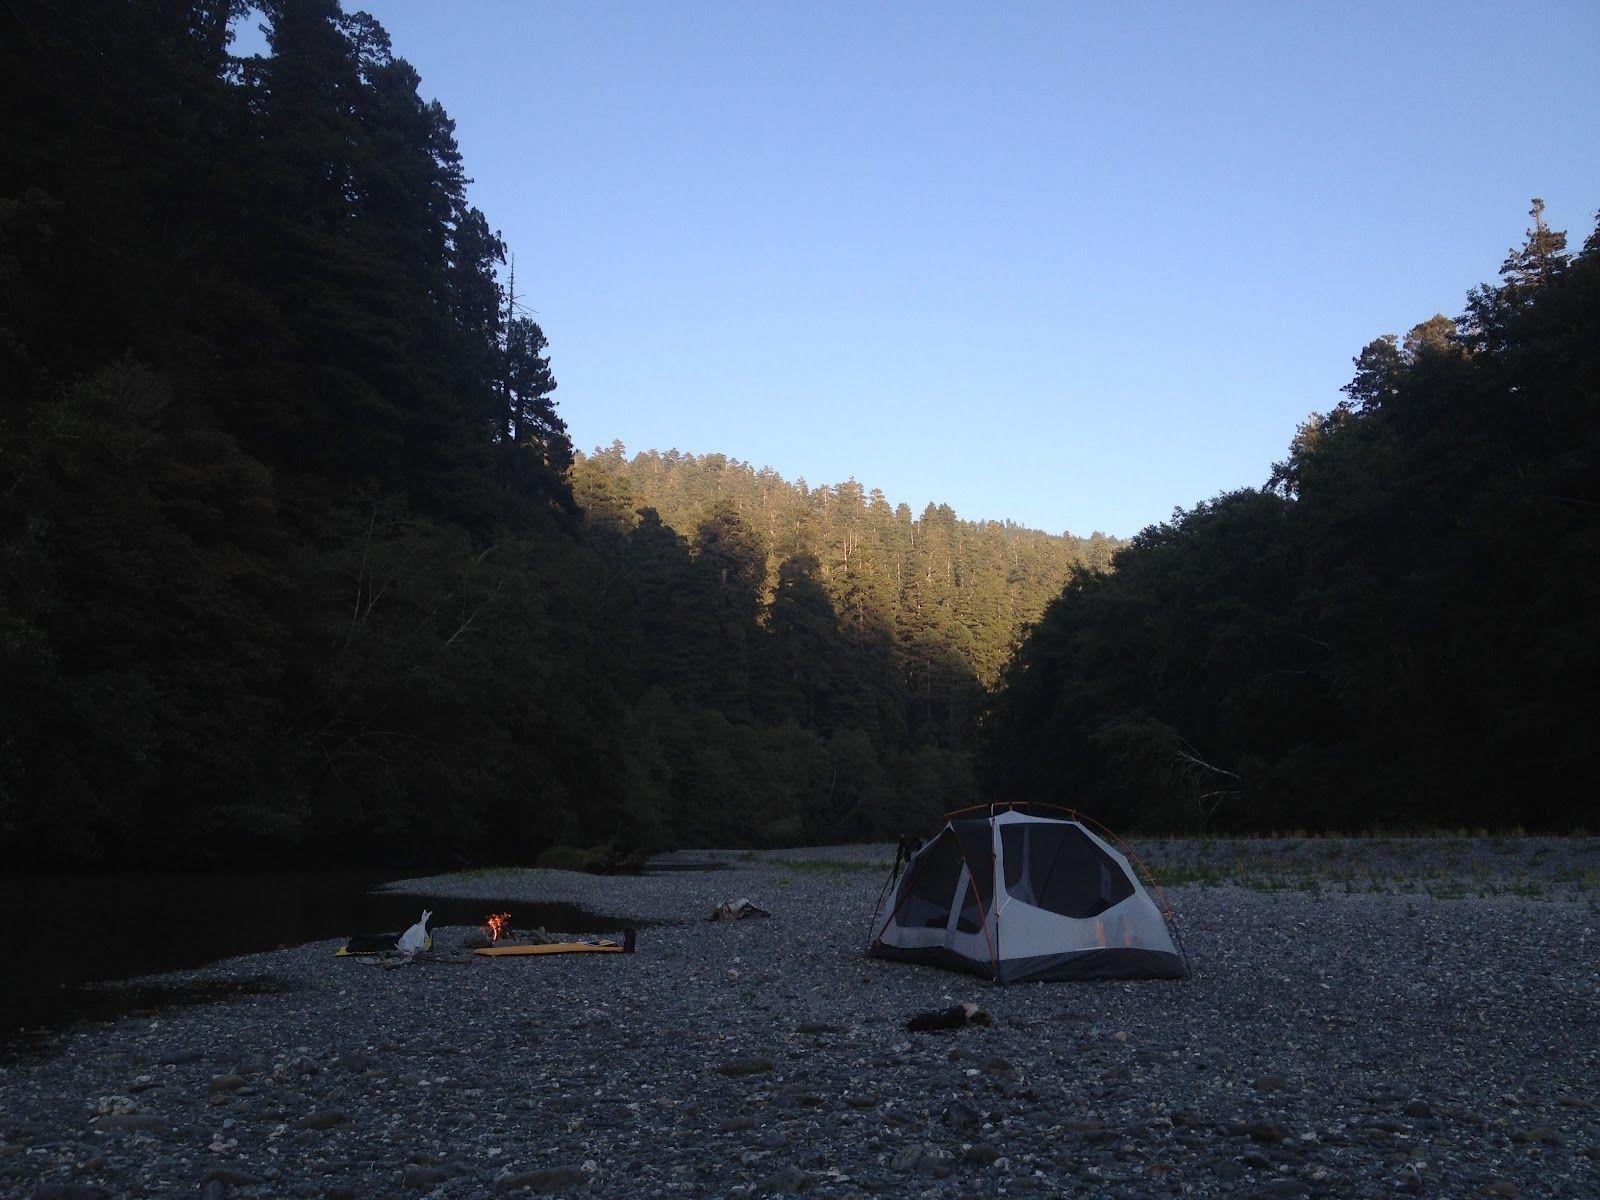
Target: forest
{"x":298,"y":563}
{"x":1399,"y":630}
{"x":297,"y":560}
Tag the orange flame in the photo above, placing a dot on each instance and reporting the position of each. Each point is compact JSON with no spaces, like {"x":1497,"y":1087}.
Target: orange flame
{"x":497,"y":924}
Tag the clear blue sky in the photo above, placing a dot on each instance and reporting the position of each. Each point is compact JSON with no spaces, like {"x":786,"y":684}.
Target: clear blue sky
{"x":1069,"y":264}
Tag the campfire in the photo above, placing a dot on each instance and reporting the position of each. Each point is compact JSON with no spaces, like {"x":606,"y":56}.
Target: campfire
{"x":497,"y":925}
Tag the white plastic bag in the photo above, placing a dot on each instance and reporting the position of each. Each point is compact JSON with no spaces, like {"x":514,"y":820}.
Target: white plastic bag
{"x":416,"y":938}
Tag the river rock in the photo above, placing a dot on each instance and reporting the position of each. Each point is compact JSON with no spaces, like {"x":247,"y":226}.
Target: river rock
{"x":139,"y":1122}
{"x":71,"y":1191}
{"x":325,"y":1118}
{"x":426,"y":1178}
{"x":739,"y":1067}
{"x":544,"y":1180}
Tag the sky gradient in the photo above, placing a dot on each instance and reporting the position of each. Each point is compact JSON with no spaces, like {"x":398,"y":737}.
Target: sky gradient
{"x":1071,"y":265}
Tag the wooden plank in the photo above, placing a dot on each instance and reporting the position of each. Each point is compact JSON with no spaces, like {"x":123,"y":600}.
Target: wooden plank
{"x":550,"y":948}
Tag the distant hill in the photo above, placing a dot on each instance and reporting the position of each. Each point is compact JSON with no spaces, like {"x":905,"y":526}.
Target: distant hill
{"x":936,"y":580}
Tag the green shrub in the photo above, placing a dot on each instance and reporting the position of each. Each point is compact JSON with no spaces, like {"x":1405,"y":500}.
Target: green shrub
{"x":561,"y":858}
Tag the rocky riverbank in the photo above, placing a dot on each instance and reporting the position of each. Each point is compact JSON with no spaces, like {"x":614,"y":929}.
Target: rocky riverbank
{"x":1334,"y":1042}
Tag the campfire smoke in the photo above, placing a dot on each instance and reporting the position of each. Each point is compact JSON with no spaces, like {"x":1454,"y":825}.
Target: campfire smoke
{"x":498,"y":924}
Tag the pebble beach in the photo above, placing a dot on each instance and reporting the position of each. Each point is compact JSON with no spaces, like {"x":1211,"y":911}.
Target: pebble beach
{"x":1366,"y":1018}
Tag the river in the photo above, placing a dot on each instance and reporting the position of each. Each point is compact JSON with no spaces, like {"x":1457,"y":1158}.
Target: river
{"x":66,"y":934}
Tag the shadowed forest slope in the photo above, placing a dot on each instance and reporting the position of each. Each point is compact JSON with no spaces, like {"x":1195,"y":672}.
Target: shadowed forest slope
{"x":297,"y":563}
{"x":1401,"y":629}
{"x":291,"y":566}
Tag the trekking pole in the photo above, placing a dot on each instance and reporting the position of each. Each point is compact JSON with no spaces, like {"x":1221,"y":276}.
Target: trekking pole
{"x":901,"y":854}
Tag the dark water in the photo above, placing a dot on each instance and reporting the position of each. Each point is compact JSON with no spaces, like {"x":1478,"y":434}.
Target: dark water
{"x":65,"y":934}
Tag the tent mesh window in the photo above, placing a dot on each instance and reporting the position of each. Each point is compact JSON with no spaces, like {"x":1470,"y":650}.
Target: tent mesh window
{"x":977,"y":847}
{"x":928,"y":894}
{"x":1056,"y":867}
{"x":971,"y":918}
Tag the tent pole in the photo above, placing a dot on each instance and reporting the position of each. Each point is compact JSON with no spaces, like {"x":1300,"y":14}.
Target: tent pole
{"x":999,"y":887}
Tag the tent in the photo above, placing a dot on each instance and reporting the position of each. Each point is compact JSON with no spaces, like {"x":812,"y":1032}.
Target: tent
{"x":1026,"y":892}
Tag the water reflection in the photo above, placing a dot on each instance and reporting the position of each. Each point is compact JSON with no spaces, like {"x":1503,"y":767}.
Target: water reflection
{"x":72,"y":931}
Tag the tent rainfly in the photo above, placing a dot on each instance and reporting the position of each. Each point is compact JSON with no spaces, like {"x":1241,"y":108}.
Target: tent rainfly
{"x":1015,"y":895}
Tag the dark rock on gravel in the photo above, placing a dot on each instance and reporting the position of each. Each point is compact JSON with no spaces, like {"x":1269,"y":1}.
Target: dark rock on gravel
{"x":229,"y":1177}
{"x":323,"y":1119}
{"x":426,"y":1178}
{"x":142,"y":1122}
{"x":544,"y":1180}
{"x":738,"y":1067}
{"x":786,"y":1181}
{"x":1264,"y":1131}
{"x":959,"y":1115}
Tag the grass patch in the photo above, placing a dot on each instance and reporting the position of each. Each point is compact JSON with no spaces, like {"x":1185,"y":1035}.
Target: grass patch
{"x":1450,"y":864}
{"x":562,"y":858}
{"x":479,"y":872}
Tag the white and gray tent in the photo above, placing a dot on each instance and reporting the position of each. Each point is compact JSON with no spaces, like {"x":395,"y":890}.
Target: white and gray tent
{"x":1025,"y":892}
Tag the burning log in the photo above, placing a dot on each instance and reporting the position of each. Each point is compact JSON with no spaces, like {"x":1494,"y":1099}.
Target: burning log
{"x":496,"y":928}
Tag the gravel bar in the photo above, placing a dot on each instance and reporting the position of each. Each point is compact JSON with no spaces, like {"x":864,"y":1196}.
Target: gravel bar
{"x":1342,"y":1042}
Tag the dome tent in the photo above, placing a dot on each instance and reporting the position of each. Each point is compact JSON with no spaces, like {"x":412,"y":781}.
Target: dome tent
{"x":1025,"y":892}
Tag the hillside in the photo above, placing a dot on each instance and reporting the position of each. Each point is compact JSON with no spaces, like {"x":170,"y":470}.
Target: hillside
{"x":1398,"y":630}
{"x":934,"y":579}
